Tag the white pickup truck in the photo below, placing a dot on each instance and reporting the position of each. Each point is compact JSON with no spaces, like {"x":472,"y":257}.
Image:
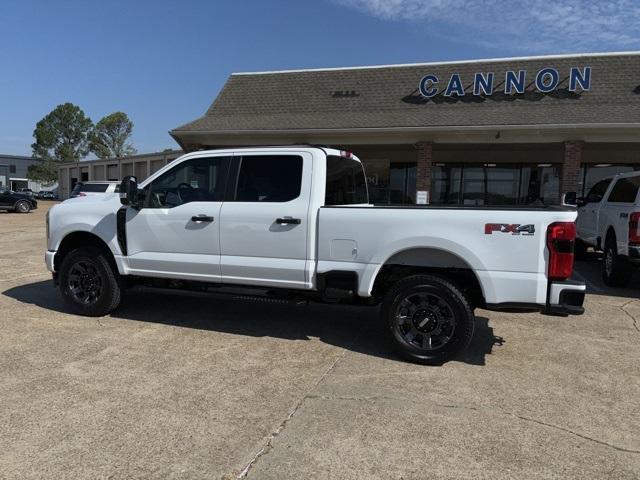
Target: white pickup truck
{"x":608,"y":220}
{"x":296,"y":223}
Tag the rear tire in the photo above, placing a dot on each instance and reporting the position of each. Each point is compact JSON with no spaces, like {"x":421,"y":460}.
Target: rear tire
{"x":428,"y":318}
{"x":23,"y":206}
{"x":616,"y":270}
{"x":88,"y":283}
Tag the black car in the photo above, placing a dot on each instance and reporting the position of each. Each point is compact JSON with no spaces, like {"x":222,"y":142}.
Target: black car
{"x":16,"y":201}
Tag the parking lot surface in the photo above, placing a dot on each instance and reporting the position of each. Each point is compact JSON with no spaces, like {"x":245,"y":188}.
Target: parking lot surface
{"x":182,"y":387}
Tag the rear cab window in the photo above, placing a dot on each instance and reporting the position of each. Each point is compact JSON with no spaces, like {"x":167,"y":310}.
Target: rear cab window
{"x":346,"y":182}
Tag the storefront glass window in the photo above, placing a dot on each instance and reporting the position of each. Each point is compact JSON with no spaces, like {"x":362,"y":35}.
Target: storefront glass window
{"x":491,"y":184}
{"x":391,"y":183}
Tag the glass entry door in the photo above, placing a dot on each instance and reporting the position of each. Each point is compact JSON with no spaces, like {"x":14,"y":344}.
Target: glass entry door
{"x":402,"y":183}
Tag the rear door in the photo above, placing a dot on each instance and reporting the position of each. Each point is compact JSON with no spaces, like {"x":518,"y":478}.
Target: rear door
{"x":5,"y":197}
{"x":264,"y":226}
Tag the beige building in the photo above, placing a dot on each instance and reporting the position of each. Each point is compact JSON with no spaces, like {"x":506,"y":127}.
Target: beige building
{"x":112,"y":169}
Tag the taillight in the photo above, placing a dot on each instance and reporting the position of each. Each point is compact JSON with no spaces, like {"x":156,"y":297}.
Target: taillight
{"x":561,"y":237}
{"x":634,"y":221}
{"x":82,"y":194}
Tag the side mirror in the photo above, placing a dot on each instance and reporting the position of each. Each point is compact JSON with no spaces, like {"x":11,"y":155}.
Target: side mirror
{"x":570,"y":198}
{"x":581,"y":201}
{"x":129,"y":191}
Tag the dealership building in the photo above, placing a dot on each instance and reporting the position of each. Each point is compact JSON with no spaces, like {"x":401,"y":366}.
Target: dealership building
{"x":515,"y":131}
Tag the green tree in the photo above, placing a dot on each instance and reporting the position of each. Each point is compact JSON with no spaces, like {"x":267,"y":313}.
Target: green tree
{"x":45,"y":171}
{"x":111,"y":136}
{"x":61,"y":136}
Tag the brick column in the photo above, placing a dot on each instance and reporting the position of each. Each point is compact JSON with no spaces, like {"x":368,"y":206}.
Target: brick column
{"x":571,"y":166}
{"x":423,"y":170}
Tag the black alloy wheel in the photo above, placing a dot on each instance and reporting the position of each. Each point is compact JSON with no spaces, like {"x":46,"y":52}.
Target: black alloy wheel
{"x":429,"y":319}
{"x":89,"y":282}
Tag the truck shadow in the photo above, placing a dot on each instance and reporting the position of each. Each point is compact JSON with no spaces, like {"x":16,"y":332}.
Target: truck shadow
{"x":357,"y":329}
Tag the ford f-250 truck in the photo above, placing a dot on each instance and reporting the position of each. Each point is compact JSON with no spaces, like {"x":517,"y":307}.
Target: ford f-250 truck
{"x":296,"y":223}
{"x":609,"y":220}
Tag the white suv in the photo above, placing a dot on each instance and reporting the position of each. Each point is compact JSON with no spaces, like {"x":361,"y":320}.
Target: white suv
{"x":83,"y":189}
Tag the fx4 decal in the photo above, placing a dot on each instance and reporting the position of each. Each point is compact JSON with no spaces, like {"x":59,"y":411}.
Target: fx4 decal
{"x":512,"y":228}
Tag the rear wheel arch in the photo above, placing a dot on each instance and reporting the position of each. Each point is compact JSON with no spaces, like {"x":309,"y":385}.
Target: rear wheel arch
{"x":428,"y":260}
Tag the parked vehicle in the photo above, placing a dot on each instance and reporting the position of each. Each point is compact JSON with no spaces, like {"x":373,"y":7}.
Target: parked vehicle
{"x":46,"y":195}
{"x":16,"y":201}
{"x":295,"y":224}
{"x":84,"y":189}
{"x":608,"y":220}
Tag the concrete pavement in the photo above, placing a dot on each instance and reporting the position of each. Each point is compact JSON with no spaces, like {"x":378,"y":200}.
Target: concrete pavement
{"x":181,"y":387}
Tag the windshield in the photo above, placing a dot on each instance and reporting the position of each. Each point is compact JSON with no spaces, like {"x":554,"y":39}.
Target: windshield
{"x":346,"y":183}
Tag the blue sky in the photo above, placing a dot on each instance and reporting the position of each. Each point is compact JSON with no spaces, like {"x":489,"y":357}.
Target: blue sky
{"x":163,"y":62}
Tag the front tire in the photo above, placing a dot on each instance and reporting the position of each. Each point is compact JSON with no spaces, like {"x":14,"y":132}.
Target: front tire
{"x":429,"y":319}
{"x":88,"y":283}
{"x":23,"y":206}
{"x":616,"y":270}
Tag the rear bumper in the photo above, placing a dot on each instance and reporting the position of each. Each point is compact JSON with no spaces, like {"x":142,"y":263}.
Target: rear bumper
{"x":564,"y":298}
{"x":634,"y":253}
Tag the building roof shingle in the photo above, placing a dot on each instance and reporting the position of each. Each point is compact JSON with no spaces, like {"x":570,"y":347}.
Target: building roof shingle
{"x":388,"y":97}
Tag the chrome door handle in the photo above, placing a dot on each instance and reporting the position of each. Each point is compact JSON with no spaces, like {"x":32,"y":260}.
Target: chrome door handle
{"x":288,"y":221}
{"x":201,"y":218}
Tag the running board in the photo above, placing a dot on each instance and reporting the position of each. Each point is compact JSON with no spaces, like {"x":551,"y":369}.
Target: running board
{"x":265,"y":299}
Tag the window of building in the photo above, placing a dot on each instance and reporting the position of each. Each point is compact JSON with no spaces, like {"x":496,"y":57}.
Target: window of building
{"x":269,"y":178}
{"x":495,"y":184}
{"x":346,"y":183}
{"x":197,"y":180}
{"x":84,"y":177}
{"x":625,"y":190}
{"x":12,"y":169}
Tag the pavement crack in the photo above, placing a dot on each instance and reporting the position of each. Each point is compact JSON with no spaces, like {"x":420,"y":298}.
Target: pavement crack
{"x":580,"y":435}
{"x":268,"y":446}
{"x":545,"y":424}
{"x":486,"y":409}
{"x":633,"y":319}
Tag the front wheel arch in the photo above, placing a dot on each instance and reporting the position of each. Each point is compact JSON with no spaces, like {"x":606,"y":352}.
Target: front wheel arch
{"x":80,"y":239}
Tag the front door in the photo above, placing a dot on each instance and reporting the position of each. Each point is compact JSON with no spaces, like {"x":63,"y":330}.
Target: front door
{"x":264,"y":229}
{"x":176,"y":232}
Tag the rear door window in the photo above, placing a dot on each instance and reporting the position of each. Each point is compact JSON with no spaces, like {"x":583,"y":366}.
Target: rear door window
{"x":625,"y":190}
{"x":269,"y":178}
